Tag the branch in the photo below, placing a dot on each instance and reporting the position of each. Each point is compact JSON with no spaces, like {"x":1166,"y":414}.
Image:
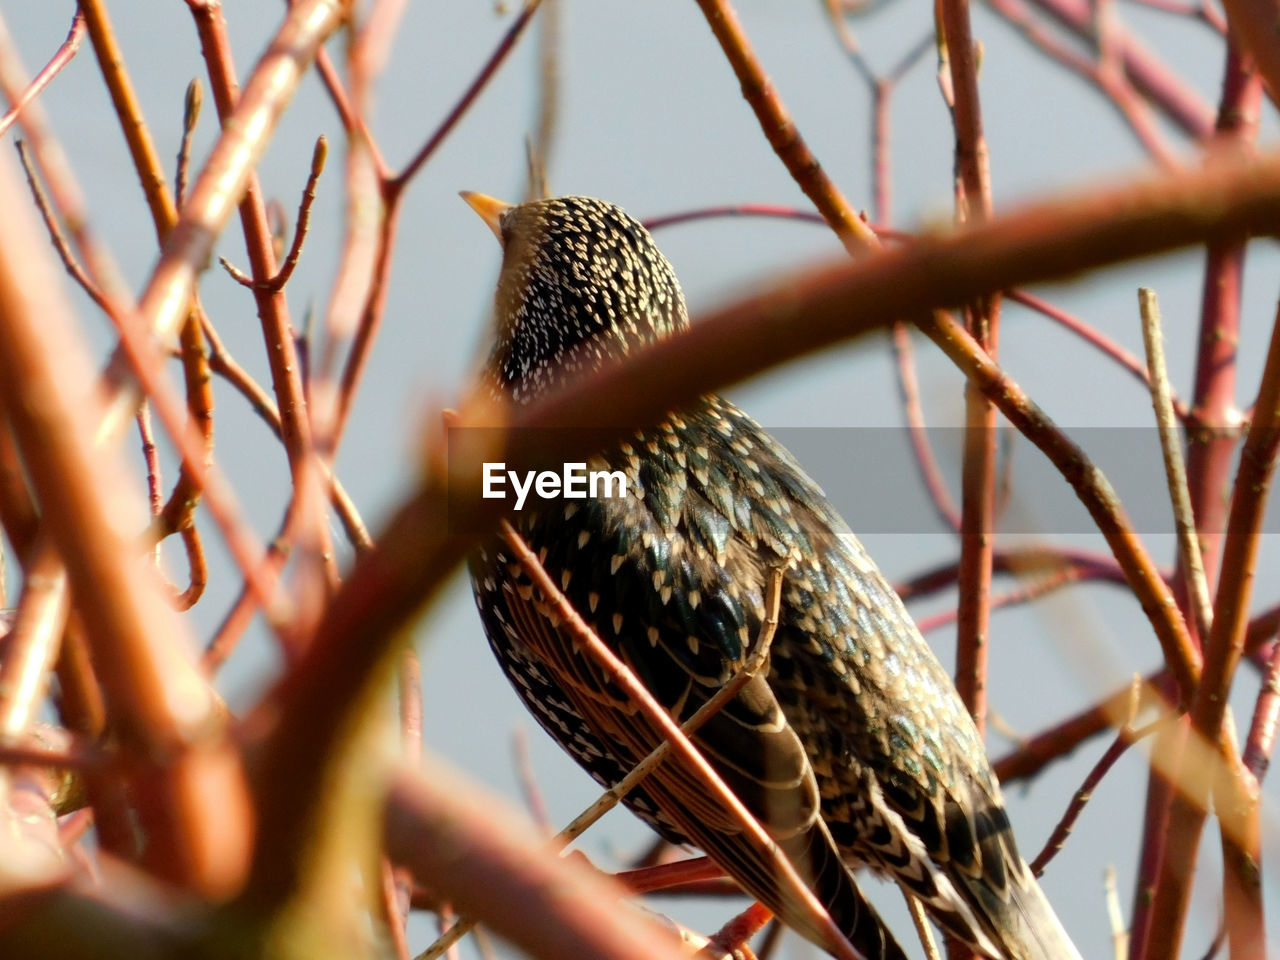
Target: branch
{"x":781,"y":130}
{"x":1092,"y":488}
{"x":485,"y":857}
{"x":160,"y":705}
{"x":1255,"y":24}
{"x":982,"y":320}
{"x":1222,"y":654}
{"x":61,"y":57}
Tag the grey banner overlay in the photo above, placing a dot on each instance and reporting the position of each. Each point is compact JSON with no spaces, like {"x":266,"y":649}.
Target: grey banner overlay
{"x":872,"y":477}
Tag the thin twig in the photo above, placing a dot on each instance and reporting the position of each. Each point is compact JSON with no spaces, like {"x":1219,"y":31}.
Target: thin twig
{"x":225,"y":365}
{"x":924,"y":929}
{"x":542,"y":142}
{"x":197,"y":568}
{"x":917,"y":431}
{"x":528,"y":779}
{"x":1126,"y":738}
{"x":272,"y":308}
{"x":781,"y":130}
{"x":301,"y":225}
{"x":128,"y":109}
{"x":1115,"y":917}
{"x":734,"y":210}
{"x":728,"y":691}
{"x":192,"y":103}
{"x":397,"y":183}
{"x":1025,"y":562}
{"x":1175,"y":468}
{"x":1212,"y":437}
{"x":1095,"y":338}
{"x":59,"y":239}
{"x":333,"y":422}
{"x":1266,"y":716}
{"x":1176,"y":99}
{"x":1223,"y":650}
{"x":982,"y":320}
{"x":155,"y":500}
{"x":1011,"y":598}
{"x":61,"y":57}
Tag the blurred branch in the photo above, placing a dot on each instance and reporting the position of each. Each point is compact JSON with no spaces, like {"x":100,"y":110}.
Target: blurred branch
{"x":1255,"y":24}
{"x":909,"y":389}
{"x":60,"y":244}
{"x":392,"y":188}
{"x":31,"y":645}
{"x":1175,"y":98}
{"x":487,"y":860}
{"x":161,"y":706}
{"x":61,"y":57}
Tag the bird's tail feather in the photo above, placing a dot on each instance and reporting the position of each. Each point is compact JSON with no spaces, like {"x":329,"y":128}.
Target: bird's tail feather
{"x":1035,"y":927}
{"x":1027,"y":927}
{"x":814,"y":854}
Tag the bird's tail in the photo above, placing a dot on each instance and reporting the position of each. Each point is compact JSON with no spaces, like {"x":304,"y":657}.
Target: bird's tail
{"x":1024,"y":925}
{"x":1035,"y":930}
{"x":820,"y":865}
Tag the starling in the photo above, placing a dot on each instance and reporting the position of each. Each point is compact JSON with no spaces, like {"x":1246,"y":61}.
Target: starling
{"x":851,"y":746}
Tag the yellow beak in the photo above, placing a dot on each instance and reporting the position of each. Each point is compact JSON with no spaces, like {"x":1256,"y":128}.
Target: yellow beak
{"x":489,"y":208}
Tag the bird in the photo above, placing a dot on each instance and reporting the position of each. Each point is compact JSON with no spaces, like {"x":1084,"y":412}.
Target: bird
{"x":850,"y":745}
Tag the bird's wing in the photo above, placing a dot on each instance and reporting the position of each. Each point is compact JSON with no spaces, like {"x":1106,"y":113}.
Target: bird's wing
{"x":748,"y":743}
{"x":903,"y":773}
{"x":672,"y":577}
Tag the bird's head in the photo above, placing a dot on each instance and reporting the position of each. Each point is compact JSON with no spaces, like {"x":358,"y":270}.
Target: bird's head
{"x":582,"y":283}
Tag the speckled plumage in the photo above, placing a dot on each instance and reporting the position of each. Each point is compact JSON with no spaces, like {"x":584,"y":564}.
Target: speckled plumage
{"x":854,"y":748}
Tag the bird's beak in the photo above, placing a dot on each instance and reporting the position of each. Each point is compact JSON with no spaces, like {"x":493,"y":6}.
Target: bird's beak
{"x":489,"y":208}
